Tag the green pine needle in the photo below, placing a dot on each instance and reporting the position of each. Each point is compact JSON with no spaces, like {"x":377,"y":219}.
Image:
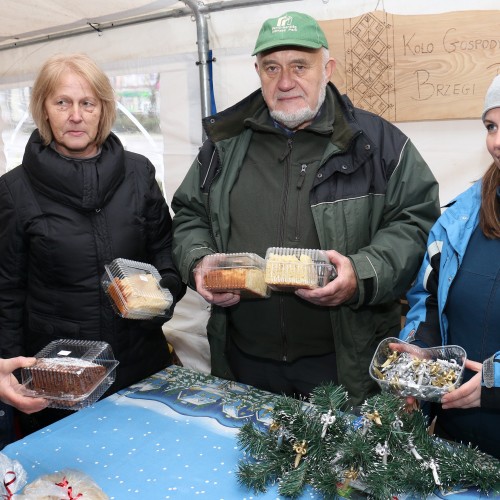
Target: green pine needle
{"x":293,"y":482}
{"x":255,"y":476}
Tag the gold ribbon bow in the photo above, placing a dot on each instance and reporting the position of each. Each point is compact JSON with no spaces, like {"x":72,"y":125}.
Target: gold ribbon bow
{"x":374,"y":417}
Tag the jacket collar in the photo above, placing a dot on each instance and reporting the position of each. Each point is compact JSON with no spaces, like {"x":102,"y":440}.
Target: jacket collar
{"x":461,"y":217}
{"x":233,"y":120}
{"x":85,"y":184}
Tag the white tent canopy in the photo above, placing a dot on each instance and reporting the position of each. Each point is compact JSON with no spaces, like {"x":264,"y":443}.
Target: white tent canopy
{"x":162,"y":36}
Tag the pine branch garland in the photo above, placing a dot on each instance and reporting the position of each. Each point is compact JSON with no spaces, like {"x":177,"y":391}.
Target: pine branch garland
{"x":386,"y":451}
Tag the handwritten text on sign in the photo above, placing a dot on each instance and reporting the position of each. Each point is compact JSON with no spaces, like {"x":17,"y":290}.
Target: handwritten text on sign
{"x":409,"y":68}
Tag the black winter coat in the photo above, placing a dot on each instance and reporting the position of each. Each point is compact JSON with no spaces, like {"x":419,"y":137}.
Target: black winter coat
{"x":61,"y":221}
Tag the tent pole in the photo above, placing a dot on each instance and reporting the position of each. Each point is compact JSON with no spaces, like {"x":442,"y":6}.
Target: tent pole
{"x":203,"y":48}
{"x":198,"y":9}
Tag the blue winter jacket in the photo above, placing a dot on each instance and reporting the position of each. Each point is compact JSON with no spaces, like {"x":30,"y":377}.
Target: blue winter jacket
{"x":426,"y":321}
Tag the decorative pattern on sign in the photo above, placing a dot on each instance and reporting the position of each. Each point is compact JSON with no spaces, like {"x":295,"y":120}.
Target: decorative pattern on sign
{"x":369,"y":62}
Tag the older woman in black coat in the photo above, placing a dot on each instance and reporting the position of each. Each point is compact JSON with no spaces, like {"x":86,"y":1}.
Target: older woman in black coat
{"x":78,"y":201}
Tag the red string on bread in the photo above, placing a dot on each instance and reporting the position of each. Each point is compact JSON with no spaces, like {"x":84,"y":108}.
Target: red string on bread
{"x":64,"y":484}
{"x":8,"y":483}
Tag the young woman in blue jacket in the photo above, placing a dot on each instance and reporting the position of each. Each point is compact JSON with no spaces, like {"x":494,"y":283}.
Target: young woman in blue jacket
{"x":456,"y":298}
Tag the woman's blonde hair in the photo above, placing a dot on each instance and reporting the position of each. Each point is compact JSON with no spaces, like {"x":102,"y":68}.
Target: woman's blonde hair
{"x":49,"y":77}
{"x":489,"y":219}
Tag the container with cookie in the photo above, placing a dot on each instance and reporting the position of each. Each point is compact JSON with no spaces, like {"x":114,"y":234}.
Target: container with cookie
{"x":71,"y":374}
{"x":424,"y":373}
{"x":135,"y":291}
{"x":241,"y":273}
{"x":288,"y":269}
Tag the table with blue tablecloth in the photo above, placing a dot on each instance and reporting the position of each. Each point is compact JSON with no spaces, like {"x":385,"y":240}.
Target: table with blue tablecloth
{"x":172,"y":436}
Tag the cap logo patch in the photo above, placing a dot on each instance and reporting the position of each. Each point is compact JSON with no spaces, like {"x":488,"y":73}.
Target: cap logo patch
{"x":284,"y":23}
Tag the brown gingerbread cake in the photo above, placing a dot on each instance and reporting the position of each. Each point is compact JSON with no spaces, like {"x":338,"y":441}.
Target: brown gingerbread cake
{"x":65,"y":376}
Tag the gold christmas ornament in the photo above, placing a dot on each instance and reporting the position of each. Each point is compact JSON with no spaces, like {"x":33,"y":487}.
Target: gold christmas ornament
{"x":301,"y":450}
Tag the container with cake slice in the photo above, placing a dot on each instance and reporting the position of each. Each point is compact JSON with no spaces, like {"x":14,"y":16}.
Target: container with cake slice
{"x":241,"y":273}
{"x":135,"y":291}
{"x":288,"y":269}
{"x":71,"y":374}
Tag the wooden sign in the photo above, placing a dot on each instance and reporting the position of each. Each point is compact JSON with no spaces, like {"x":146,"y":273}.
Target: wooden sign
{"x":410,"y":68}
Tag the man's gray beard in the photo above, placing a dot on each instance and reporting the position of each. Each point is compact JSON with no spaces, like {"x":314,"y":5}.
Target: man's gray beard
{"x":294,"y":120}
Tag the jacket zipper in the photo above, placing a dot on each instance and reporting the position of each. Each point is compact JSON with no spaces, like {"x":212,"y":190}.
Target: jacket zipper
{"x":300,"y":183}
{"x":282,"y":227}
{"x":286,"y":181}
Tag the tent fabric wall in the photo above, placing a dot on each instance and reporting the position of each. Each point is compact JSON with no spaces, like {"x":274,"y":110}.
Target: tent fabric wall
{"x":455,"y":150}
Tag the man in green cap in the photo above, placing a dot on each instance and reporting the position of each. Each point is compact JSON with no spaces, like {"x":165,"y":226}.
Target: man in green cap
{"x":295,"y":165}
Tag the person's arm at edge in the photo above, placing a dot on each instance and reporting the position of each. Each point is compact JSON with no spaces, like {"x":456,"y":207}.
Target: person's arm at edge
{"x":483,"y":389}
{"x":11,"y":388}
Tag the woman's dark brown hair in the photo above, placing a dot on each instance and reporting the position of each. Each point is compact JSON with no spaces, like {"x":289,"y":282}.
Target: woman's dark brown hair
{"x":489,"y":215}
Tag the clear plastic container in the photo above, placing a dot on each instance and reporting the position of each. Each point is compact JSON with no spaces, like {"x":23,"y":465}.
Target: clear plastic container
{"x":408,"y":370}
{"x":288,"y":269}
{"x":241,"y":273}
{"x":134,"y":290}
{"x":71,"y":374}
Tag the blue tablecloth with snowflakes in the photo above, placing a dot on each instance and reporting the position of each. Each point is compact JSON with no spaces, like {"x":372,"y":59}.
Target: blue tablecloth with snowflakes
{"x":172,"y":436}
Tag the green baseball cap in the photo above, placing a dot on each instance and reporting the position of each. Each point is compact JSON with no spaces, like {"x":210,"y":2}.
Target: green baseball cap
{"x":292,"y":28}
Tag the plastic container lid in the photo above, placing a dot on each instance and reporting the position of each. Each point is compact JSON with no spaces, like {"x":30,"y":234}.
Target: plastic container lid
{"x":408,"y":370}
{"x":71,"y":374}
{"x":134,"y":290}
{"x":289,"y":269}
{"x":241,"y":273}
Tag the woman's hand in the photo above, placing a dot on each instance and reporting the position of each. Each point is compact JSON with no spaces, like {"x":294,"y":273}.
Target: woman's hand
{"x":467,"y":395}
{"x":11,"y":390}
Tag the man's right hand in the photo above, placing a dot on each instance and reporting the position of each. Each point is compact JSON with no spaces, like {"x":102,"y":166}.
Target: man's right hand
{"x":225,"y":299}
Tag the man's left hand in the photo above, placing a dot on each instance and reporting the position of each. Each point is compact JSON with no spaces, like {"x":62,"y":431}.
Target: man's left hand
{"x":340,"y":290}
